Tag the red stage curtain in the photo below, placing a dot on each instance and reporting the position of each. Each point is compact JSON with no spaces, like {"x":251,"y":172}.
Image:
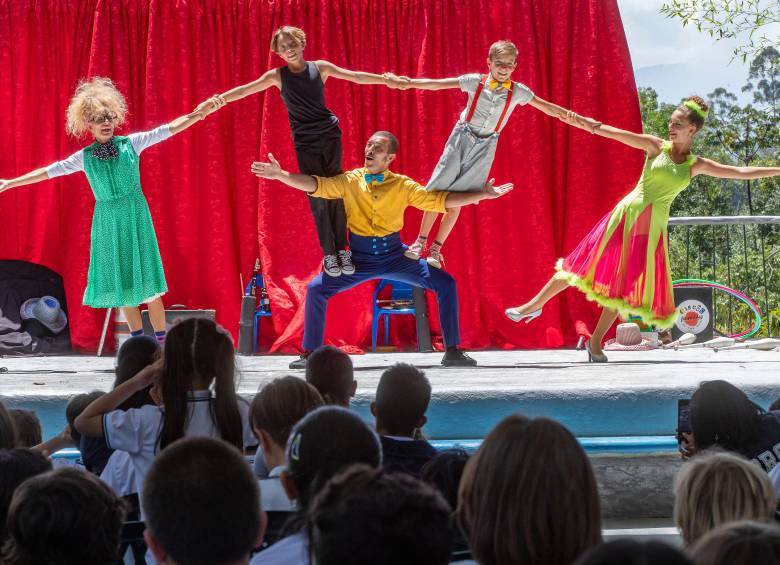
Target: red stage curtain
{"x":213,"y":217}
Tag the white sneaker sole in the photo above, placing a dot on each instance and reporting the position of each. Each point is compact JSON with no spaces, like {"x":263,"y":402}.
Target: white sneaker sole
{"x":412,"y":255}
{"x":433,"y":262}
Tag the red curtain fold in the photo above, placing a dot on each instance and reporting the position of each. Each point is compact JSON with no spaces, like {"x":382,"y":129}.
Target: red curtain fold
{"x":213,"y":217}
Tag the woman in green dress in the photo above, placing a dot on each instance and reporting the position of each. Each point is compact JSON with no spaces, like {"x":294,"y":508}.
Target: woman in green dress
{"x":125,"y":269}
{"x":623,"y":263}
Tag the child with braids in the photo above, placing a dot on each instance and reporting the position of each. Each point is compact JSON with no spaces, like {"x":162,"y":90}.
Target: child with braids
{"x":195,"y":391}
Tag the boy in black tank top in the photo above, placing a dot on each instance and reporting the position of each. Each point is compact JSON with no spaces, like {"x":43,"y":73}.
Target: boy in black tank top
{"x":315,"y":131}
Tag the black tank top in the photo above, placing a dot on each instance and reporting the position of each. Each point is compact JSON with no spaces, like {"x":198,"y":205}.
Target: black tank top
{"x":304,"y":96}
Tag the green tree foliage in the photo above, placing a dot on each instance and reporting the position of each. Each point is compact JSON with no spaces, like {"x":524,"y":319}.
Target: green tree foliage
{"x":748,"y":21}
{"x":735,"y":134}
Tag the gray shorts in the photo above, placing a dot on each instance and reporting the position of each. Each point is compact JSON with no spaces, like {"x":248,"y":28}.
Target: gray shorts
{"x":465,"y":163}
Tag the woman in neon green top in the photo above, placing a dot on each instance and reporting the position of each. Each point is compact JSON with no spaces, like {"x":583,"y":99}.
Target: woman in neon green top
{"x":125,"y":269}
{"x":623,"y":263}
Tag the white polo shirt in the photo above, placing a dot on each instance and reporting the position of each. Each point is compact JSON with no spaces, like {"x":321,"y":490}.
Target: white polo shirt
{"x":292,"y":550}
{"x":272,"y":495}
{"x":119,"y":474}
{"x":137,"y":430}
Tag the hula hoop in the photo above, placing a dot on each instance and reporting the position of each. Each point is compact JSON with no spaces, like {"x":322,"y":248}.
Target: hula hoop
{"x":679,"y":283}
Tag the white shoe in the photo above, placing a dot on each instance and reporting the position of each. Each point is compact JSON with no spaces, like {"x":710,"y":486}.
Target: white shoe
{"x":415,"y":250}
{"x":516,"y":316}
{"x":435,"y":258}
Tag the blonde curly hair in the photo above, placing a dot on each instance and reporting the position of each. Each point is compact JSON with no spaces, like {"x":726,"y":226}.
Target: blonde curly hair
{"x":93,"y":97}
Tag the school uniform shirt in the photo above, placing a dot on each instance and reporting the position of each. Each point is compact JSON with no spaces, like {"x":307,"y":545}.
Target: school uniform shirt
{"x":764,"y":450}
{"x":377,"y":208}
{"x":137,"y":430}
{"x":405,"y":455}
{"x":491,"y":102}
{"x":273,"y":498}
{"x":292,"y":550}
{"x":119,"y":473}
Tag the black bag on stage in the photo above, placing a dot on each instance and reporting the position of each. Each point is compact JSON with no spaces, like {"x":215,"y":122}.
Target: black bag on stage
{"x":21,"y":281}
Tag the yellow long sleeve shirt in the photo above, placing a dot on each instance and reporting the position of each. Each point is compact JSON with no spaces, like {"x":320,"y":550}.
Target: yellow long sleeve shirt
{"x":378,"y":208}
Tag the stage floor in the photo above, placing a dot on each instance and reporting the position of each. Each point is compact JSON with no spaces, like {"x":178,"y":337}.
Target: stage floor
{"x":634,"y":394}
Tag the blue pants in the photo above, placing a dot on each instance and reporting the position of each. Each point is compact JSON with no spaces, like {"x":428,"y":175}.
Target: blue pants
{"x":380,"y":257}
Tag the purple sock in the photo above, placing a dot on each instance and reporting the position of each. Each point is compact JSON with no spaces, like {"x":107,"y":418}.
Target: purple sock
{"x":136,"y":333}
{"x":160,"y":337}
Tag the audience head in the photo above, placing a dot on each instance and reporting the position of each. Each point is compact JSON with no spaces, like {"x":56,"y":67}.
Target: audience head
{"x":529,"y":496}
{"x":16,"y":466}
{"x":634,"y":552}
{"x":279,"y":406}
{"x":201,"y":504}
{"x":721,"y":414}
{"x":330,"y":371}
{"x":76,"y":406}
{"x":64,"y":516}
{"x":444,"y":472}
{"x":7,"y":430}
{"x":775,"y":405}
{"x":27,"y":427}
{"x":364,"y":515}
{"x":402,"y":397}
{"x":739,"y":543}
{"x":135,"y":354}
{"x":718,"y":487}
{"x":324,"y":442}
{"x":199,"y":353}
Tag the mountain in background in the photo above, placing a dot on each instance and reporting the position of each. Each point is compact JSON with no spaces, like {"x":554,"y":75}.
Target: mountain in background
{"x":673,"y":82}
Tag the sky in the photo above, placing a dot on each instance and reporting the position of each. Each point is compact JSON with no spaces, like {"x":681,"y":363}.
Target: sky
{"x":678,"y":61}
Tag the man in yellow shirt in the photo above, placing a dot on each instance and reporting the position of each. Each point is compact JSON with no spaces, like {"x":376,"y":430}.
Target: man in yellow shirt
{"x":375,"y":199}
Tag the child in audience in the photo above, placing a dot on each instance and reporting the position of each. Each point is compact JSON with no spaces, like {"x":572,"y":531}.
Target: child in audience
{"x":723,"y":416}
{"x":444,"y":472}
{"x":529,"y":496}
{"x":16,"y":466}
{"x":719,"y":487}
{"x":365,"y":515}
{"x":273,"y":413}
{"x":402,"y":398}
{"x":7,"y":430}
{"x":198,"y":355}
{"x":325,"y":442}
{"x":633,"y":552}
{"x":330,"y":371}
{"x":738,"y":543}
{"x":27,"y":426}
{"x":63,"y":517}
{"x":201,"y":504}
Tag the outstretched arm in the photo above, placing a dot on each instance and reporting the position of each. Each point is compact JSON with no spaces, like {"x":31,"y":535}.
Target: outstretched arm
{"x":404,"y":82}
{"x":328,"y":69}
{"x":183,"y":122}
{"x":30,"y":178}
{"x":712,"y":168}
{"x":274,"y":171}
{"x":457,"y":199}
{"x":268,"y":79}
{"x":646,"y":142}
{"x":549,"y":108}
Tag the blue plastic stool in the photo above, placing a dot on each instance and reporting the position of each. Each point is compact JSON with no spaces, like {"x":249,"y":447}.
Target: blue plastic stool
{"x":400,"y":291}
{"x":258,"y":313}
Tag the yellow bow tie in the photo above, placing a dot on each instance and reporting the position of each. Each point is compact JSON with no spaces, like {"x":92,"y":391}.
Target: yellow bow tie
{"x":493,"y":84}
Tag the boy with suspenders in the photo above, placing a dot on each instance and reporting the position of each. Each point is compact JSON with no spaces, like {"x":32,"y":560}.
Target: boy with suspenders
{"x":468,"y":155}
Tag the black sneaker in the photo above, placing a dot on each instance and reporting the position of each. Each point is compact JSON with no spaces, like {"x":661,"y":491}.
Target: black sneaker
{"x":454,"y":357}
{"x":330,"y":264}
{"x":345,"y":260}
{"x":300,"y":362}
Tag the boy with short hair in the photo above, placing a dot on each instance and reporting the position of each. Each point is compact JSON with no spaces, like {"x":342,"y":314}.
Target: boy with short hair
{"x":278,"y":406}
{"x":468,"y":155}
{"x":201,"y":504}
{"x":330,"y":371}
{"x":402,"y":397}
